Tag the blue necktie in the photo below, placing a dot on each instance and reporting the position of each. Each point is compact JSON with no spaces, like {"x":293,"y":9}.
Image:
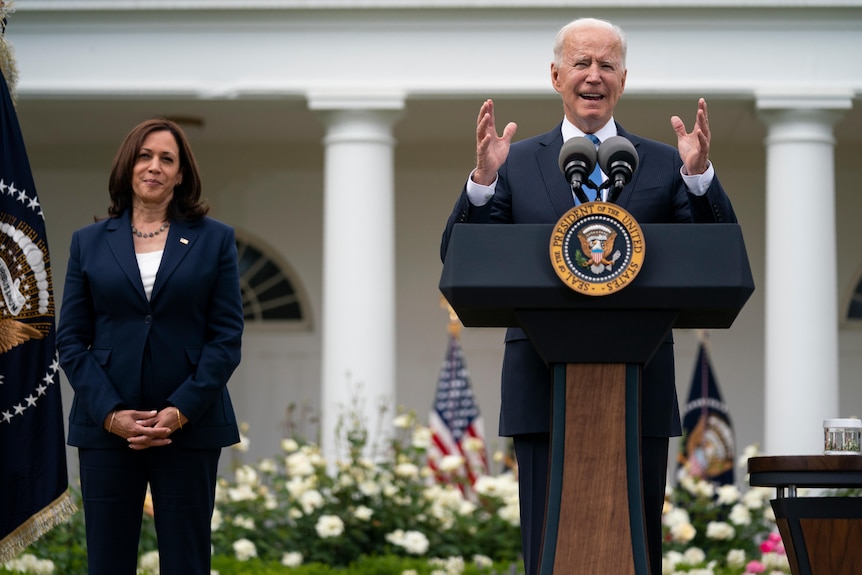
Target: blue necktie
{"x":596,"y":176}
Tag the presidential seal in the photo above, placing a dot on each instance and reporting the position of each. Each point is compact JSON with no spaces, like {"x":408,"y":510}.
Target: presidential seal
{"x":26,"y":313}
{"x":597,"y":248}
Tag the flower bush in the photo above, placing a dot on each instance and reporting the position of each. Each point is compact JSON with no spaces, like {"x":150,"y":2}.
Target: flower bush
{"x":296,"y":513}
{"x":298,"y":509}
{"x":719,"y":530}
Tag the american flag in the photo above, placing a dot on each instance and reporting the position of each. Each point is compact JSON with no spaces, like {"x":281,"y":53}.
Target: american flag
{"x":455,"y":422}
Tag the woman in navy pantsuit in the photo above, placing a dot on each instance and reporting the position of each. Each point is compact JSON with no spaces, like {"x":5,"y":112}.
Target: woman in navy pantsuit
{"x":149,"y":334}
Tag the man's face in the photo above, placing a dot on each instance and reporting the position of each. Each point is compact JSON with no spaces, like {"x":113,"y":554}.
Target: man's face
{"x":590,"y":77}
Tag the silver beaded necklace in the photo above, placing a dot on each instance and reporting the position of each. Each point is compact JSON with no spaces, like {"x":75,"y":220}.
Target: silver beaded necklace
{"x":163,"y":227}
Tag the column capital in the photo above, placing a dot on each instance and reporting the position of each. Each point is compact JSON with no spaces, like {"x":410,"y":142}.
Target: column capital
{"x":357,"y":116}
{"x":337,"y":100}
{"x":825,"y":107}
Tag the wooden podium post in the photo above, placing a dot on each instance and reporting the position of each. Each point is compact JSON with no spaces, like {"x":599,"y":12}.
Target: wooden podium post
{"x":694,"y":276}
{"x":607,"y":454}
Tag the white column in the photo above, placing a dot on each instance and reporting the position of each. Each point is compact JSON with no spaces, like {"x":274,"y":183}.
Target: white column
{"x":358,"y":327}
{"x":801,"y":280}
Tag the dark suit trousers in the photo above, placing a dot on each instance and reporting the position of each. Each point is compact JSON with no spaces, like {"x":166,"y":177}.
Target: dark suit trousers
{"x":533,"y":452}
{"x":114,"y":484}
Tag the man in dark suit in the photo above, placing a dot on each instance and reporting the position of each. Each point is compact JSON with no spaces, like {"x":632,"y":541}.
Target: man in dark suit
{"x":522,"y":183}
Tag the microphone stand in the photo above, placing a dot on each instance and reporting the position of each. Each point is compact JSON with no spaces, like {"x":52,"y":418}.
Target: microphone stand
{"x":605,"y":185}
{"x":579,"y":191}
{"x":616,"y":185}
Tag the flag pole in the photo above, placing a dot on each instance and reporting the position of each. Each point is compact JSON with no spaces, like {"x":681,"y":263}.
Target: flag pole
{"x":454,"y":327}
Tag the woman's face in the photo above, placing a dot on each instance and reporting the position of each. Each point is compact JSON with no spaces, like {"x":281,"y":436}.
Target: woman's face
{"x":157,"y":170}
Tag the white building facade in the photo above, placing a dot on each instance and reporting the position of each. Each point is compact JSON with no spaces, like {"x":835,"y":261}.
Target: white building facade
{"x":335,"y":135}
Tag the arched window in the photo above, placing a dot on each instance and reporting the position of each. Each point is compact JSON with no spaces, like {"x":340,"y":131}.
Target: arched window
{"x":271,"y":292}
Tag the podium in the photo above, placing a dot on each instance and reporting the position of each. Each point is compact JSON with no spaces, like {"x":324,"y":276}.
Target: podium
{"x":693,"y":276}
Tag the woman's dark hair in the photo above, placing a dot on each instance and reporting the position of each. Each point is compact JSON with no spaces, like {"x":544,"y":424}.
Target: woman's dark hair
{"x":186,"y":205}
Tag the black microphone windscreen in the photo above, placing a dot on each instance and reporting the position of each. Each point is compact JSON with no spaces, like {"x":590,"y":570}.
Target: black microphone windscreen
{"x":577,"y":148}
{"x":615,"y":149}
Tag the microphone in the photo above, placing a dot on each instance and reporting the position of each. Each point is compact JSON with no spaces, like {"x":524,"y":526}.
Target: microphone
{"x":619,"y":160}
{"x":577,"y":161}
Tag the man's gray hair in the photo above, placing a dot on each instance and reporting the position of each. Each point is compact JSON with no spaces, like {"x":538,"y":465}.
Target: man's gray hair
{"x":583,"y":24}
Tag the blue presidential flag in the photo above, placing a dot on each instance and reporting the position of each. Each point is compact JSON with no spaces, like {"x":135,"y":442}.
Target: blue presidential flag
{"x":34,"y":486}
{"x":707,"y":448}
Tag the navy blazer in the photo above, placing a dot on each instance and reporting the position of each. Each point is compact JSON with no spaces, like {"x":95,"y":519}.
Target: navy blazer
{"x":532,"y":189}
{"x":180,"y":347}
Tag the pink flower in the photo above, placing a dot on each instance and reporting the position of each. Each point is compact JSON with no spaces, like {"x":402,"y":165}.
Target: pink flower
{"x":779,"y":543}
{"x":773,"y":544}
{"x":754,"y":567}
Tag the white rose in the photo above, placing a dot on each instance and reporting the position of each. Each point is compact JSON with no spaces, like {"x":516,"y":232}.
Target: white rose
{"x":728,"y":494}
{"x":473,"y":445}
{"x":329,"y":526}
{"x":451,"y":463}
{"x":369,"y":488}
{"x":243,"y":445}
{"x":736,"y":558}
{"x":421,"y":438}
{"x":720,"y":530}
{"x":298,"y":464}
{"x":149,"y":562}
{"x":740,"y":515}
{"x":241,"y":493}
{"x":407,"y":470}
{"x":215,"y":520}
{"x":292,"y":559}
{"x":511,"y":514}
{"x":683,"y":532}
{"x":311,"y":500}
{"x":267,"y":465}
{"x":246,"y":475}
{"x":244,"y":522}
{"x":363,"y":513}
{"x":244,"y":549}
{"x":694,"y":556}
{"x":403,"y":421}
{"x":413,"y":542}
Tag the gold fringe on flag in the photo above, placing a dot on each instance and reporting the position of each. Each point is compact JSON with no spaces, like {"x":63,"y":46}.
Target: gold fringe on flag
{"x":58,"y":511}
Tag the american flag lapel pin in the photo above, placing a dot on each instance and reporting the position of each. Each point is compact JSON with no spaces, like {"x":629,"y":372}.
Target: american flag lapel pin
{"x":184,"y":241}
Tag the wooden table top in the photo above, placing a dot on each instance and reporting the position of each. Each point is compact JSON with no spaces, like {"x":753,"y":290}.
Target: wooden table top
{"x":806,"y":471}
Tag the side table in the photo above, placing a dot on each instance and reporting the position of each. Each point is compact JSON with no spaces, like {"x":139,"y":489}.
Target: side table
{"x":822,"y":535}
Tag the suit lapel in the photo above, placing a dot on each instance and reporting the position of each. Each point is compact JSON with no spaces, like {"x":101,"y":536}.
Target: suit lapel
{"x":626,"y":195}
{"x":181,"y":238}
{"x":547,"y":155}
{"x":122,"y":245}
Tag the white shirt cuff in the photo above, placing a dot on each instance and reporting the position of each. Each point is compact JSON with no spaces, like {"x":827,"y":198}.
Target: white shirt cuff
{"x":478,"y":194}
{"x":699,"y":183}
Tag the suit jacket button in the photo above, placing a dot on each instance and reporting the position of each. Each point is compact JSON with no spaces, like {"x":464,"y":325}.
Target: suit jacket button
{"x":148,"y":319}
